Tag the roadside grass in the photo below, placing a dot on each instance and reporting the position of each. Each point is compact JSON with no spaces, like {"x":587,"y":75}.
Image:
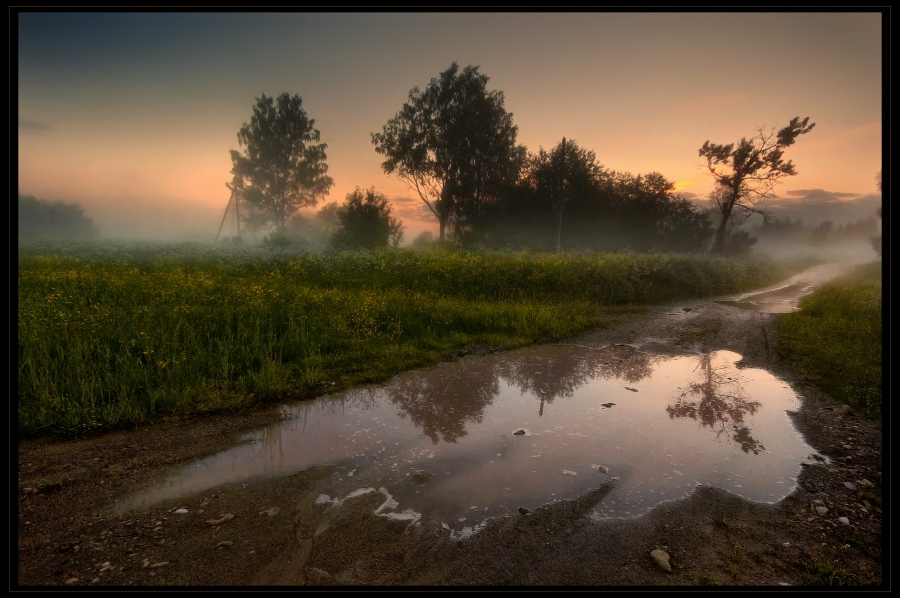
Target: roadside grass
{"x":822,"y":572}
{"x":851,"y":539}
{"x":706,"y":579}
{"x":873,"y":496}
{"x":735,"y":561}
{"x":114,"y":335}
{"x":835,"y":340}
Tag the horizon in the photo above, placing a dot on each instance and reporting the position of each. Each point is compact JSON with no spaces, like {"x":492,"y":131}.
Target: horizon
{"x":132,"y":115}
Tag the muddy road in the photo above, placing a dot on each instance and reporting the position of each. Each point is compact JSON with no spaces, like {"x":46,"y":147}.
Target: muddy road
{"x":76,"y":526}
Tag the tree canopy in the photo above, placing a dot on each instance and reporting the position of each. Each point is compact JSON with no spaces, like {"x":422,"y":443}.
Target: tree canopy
{"x":453,"y":143}
{"x":366,"y":221}
{"x":282,"y":167}
{"x":42,"y":219}
{"x":562,"y":175}
{"x":566,"y":199}
{"x":748,"y":172}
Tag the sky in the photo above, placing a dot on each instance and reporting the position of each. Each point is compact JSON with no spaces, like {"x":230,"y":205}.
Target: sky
{"x":133,"y":114}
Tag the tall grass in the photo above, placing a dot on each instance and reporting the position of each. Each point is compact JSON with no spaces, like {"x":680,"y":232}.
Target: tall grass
{"x":835,"y":340}
{"x":115,"y":335}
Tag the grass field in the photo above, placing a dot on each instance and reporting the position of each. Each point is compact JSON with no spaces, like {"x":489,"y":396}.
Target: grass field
{"x":835,"y":340}
{"x":114,"y":335}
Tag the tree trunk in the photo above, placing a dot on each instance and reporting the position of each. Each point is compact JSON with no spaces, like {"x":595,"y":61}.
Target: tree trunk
{"x":719,"y":239}
{"x":559,"y":230}
{"x":719,"y":243}
{"x":443,"y":205}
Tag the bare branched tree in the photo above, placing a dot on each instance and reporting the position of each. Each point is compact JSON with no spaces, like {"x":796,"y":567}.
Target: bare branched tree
{"x":748,"y":173}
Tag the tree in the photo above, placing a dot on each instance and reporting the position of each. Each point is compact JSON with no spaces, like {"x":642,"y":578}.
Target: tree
{"x":366,"y":222}
{"x":315,"y":230}
{"x":42,"y":219}
{"x":453,"y":144}
{"x":642,"y":212}
{"x":423,"y":239}
{"x":876,"y":240}
{"x":682,"y":227}
{"x":604,"y":210}
{"x":283,"y":165}
{"x":561,"y":174}
{"x":748,"y":173}
{"x":821,"y":233}
{"x":780,"y":229}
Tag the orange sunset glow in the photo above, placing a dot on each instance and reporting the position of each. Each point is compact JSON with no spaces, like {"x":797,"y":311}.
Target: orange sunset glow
{"x":132,"y":115}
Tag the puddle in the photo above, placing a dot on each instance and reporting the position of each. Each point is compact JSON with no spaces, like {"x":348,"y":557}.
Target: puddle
{"x":481,"y":437}
{"x":784,"y":297}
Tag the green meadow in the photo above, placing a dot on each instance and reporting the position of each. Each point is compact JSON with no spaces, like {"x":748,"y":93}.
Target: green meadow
{"x":113,"y":335}
{"x":835,"y":340}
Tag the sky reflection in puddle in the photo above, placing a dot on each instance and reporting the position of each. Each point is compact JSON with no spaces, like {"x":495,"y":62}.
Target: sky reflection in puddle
{"x":783,"y":298}
{"x":443,"y":442}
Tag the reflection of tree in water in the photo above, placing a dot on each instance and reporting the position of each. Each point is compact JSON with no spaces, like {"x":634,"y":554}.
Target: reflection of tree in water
{"x":718,"y":402}
{"x":553,"y":372}
{"x":296,"y":418}
{"x":747,"y":442}
{"x":441,"y":400}
{"x":629,"y":364}
{"x":270,"y":443}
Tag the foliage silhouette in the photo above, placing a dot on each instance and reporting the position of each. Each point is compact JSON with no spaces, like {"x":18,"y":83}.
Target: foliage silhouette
{"x":454,"y":144}
{"x":283,"y":165}
{"x":42,"y":219}
{"x":748,"y":173}
{"x":366,"y":222}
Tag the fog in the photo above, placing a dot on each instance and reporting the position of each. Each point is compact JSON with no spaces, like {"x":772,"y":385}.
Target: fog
{"x":146,"y":221}
{"x":140,"y":219}
{"x":856,"y":251}
{"x":814,"y":207}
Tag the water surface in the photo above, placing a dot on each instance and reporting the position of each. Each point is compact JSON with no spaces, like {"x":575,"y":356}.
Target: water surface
{"x":784,"y":297}
{"x":481,"y":437}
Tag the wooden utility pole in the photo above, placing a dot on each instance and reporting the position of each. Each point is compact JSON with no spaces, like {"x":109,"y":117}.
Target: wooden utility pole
{"x":237,"y":214}
{"x":221,"y":224}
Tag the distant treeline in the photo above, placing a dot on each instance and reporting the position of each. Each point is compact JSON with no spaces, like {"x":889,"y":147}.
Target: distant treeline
{"x":604,"y":210}
{"x":42,"y":219}
{"x":825,"y":232}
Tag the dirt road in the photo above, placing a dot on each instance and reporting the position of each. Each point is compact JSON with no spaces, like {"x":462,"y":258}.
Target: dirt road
{"x":828,"y":531}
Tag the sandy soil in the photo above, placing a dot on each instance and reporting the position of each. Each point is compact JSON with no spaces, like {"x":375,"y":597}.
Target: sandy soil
{"x":272,"y":533}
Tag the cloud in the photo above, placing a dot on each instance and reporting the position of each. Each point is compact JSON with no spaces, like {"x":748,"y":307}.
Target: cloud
{"x":34,"y":127}
{"x":409,"y":208}
{"x":682,"y":185}
{"x":813,"y":206}
{"x":810,"y":206}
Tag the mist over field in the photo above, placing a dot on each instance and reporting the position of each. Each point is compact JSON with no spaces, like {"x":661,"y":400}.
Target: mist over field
{"x":145,"y":220}
{"x":141,"y":220}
